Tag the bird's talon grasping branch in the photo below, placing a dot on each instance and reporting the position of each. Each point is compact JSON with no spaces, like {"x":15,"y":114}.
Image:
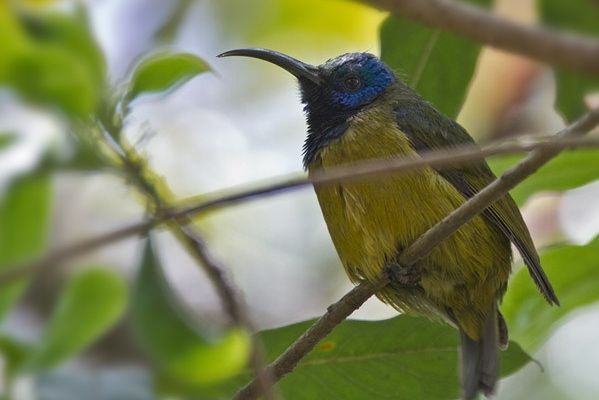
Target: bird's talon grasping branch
{"x":402,"y":276}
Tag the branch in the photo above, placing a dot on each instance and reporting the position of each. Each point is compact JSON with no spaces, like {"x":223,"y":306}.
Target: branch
{"x":336,"y":313}
{"x":150,"y":185}
{"x":438,"y":159}
{"x":320,"y":329}
{"x":566,"y":50}
{"x":229,"y":294}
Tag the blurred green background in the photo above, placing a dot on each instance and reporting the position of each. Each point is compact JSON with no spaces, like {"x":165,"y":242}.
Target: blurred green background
{"x":138,"y":319}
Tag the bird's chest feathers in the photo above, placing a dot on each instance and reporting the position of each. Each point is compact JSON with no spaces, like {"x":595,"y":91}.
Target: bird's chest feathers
{"x":370,"y":220}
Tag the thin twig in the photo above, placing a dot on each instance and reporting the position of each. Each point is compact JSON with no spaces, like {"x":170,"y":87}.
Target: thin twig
{"x":227,"y":291}
{"x":336,"y":313}
{"x":360,"y":171}
{"x":147,"y":182}
{"x":562,"y":49}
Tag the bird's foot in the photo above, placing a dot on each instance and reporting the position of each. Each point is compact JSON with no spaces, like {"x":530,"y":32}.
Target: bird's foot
{"x":404,"y":276}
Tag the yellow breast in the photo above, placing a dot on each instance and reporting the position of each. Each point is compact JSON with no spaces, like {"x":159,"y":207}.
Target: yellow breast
{"x":371,"y":221}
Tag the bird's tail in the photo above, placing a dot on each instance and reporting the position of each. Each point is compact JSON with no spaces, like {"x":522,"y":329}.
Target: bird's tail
{"x":480,"y":358}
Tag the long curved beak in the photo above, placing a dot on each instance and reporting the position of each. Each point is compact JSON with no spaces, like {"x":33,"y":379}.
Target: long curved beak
{"x":288,"y":63}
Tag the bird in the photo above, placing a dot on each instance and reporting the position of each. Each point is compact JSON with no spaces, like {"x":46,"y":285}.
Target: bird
{"x":358,"y":109}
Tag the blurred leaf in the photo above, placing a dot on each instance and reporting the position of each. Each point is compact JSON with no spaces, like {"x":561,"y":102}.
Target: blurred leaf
{"x":437,"y":64}
{"x":579,"y":16}
{"x":24,"y":218}
{"x":13,"y":40}
{"x":90,"y":305}
{"x":177,"y":348}
{"x":574,"y":272}
{"x":71,"y":32}
{"x":399,"y":358}
{"x":569,"y":170}
{"x":86,"y":157}
{"x":58,"y":62}
{"x":52,"y":76}
{"x":6,"y":139}
{"x":37,"y":3}
{"x":14,"y":353}
{"x":164,"y":71}
{"x":281,"y":23}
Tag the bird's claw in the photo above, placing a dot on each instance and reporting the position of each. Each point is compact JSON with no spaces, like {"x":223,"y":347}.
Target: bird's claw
{"x":404,"y":276}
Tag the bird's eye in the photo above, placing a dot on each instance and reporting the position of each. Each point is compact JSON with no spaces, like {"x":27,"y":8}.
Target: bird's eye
{"x":352,"y":83}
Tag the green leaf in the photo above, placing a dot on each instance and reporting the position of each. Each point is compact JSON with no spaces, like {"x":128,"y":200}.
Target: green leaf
{"x":14,"y":354}
{"x":400,"y":358}
{"x":90,"y":305}
{"x":24,"y":217}
{"x":52,"y":76}
{"x":6,"y":139}
{"x":377,"y":356}
{"x":178,"y":350}
{"x":569,"y":170}
{"x":574,"y":272}
{"x":439,"y":65}
{"x":580,"y":16}
{"x":14,"y":42}
{"x":71,"y":32}
{"x":163,"y":72}
{"x":58,"y":63}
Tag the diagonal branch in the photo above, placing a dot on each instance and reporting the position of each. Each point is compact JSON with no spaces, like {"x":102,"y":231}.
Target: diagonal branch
{"x":229,"y":294}
{"x":150,"y":185}
{"x":336,"y":313}
{"x":567,"y":50}
{"x":437,"y":159}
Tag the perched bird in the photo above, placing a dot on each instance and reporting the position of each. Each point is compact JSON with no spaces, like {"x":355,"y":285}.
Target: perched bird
{"x":357,"y":109}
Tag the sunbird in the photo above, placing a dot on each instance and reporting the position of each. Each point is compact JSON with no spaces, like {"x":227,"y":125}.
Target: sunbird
{"x":358,"y":109}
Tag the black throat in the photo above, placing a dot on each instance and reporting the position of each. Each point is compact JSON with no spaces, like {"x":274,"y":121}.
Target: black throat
{"x":326,"y":121}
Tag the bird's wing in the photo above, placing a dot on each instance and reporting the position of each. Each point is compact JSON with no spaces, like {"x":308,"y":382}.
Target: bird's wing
{"x":427,"y":130}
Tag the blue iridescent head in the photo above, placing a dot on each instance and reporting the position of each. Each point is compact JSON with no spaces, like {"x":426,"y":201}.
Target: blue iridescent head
{"x":354,"y":79}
